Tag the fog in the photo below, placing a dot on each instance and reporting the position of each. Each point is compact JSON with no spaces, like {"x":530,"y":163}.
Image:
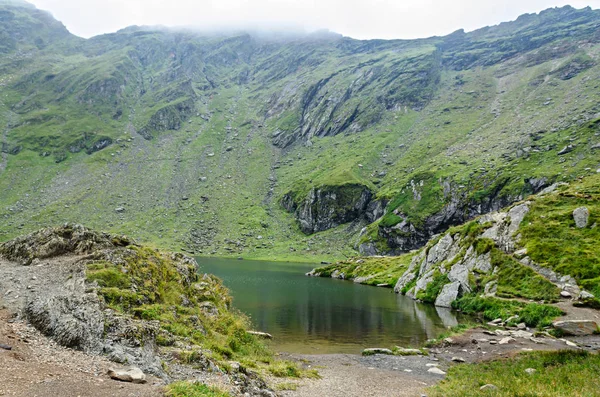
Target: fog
{"x":361,"y":19}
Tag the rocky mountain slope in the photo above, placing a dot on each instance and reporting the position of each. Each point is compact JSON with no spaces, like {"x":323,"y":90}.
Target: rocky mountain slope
{"x":543,"y":249}
{"x":311,"y":146}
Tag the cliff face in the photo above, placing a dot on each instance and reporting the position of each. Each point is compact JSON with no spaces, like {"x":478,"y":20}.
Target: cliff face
{"x":328,"y":207}
{"x":516,"y":253}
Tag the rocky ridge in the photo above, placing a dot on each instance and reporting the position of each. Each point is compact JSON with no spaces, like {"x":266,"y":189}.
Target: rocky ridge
{"x":489,"y":258}
{"x":45,"y":279}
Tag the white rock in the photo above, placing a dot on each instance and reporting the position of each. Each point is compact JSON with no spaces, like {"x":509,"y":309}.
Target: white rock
{"x":435,"y":370}
{"x":506,"y":341}
{"x":585,"y":295}
{"x":489,"y":387}
{"x":565,"y":294}
{"x":133,"y":374}
{"x":531,"y":371}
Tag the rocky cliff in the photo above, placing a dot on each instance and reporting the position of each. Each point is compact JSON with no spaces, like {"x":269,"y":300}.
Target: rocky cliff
{"x":516,"y":253}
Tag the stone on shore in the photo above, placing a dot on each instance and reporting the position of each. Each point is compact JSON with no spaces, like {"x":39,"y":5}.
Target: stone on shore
{"x":376,"y":350}
{"x":576,"y":327}
{"x":436,"y":371}
{"x":133,"y":374}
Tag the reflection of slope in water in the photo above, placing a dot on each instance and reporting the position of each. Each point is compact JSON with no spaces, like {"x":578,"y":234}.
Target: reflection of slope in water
{"x":319,"y":315}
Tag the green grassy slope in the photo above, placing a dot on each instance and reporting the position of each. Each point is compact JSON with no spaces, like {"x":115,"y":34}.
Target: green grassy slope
{"x":190,"y":141}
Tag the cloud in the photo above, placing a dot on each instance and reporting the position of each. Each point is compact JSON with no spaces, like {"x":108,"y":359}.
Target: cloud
{"x":363,"y":19}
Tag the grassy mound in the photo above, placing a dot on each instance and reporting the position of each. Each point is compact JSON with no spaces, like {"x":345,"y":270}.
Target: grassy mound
{"x":562,"y":373}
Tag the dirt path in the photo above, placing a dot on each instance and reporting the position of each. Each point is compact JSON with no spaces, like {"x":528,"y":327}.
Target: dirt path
{"x":346,"y":375}
{"x":36,"y":366}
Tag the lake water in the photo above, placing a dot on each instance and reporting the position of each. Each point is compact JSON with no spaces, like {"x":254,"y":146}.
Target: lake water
{"x":321,"y":315}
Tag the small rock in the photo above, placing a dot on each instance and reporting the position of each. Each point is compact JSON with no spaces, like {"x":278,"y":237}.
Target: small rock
{"x":260,"y":334}
{"x":506,"y":341}
{"x":5,"y":347}
{"x":521,"y":326}
{"x":448,"y":341}
{"x":133,"y":374}
{"x":566,"y":149}
{"x":458,"y":359}
{"x":436,"y":370}
{"x":119,"y":209}
{"x":376,"y":350}
{"x":569,"y":343}
{"x":565,"y":294}
{"x":489,"y":386}
{"x":496,"y":321}
{"x":585,"y":295}
{"x":531,"y":371}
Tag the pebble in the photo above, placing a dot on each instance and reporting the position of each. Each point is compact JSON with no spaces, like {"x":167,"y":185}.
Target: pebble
{"x":489,"y":386}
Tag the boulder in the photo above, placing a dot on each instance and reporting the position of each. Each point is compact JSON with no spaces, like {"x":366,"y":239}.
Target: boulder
{"x":581,"y":217}
{"x":576,"y":327}
{"x":448,"y":295}
{"x":133,"y":374}
{"x":408,"y":352}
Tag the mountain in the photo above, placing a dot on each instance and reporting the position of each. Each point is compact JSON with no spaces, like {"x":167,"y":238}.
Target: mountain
{"x":308,"y":146}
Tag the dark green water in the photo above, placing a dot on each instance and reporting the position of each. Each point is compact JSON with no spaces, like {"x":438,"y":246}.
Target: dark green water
{"x":321,"y":315}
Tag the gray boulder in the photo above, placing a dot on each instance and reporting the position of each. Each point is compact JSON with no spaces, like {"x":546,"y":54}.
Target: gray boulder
{"x":576,"y":327}
{"x":448,"y":295}
{"x":133,"y":374}
{"x":581,"y":217}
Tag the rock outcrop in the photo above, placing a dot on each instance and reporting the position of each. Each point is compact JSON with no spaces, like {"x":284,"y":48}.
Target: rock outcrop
{"x":459,"y":259}
{"x":89,"y":291}
{"x":328,"y":206}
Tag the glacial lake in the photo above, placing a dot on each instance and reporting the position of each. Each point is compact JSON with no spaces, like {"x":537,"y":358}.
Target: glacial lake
{"x":311,"y":315}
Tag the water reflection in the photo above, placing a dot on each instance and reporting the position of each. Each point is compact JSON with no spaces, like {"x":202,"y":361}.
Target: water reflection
{"x":317,"y":315}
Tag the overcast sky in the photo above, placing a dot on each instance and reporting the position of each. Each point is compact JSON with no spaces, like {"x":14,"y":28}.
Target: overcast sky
{"x":361,"y":19}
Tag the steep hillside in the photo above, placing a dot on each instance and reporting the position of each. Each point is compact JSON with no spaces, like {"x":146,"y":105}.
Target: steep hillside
{"x":309,"y":147}
{"x":543,"y":249}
